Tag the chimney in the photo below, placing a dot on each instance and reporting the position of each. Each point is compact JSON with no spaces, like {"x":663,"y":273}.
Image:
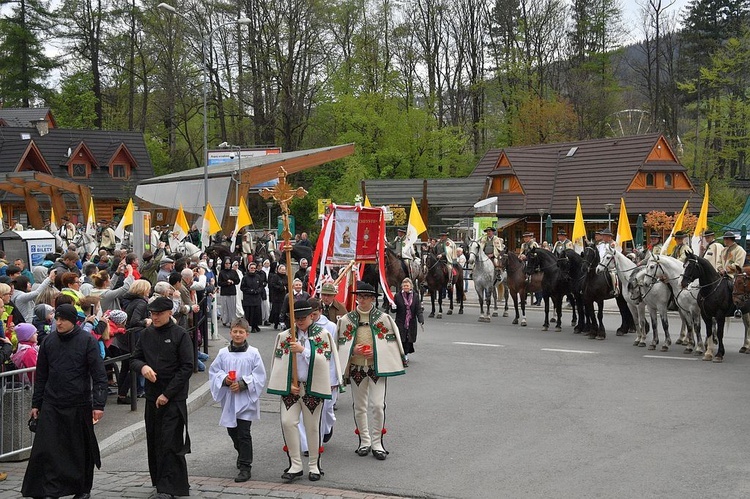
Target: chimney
{"x":41,"y":126}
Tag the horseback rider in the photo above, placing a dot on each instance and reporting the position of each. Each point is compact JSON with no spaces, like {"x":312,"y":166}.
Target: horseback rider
{"x":491,"y":245}
{"x":403,"y":250}
{"x":603,"y":246}
{"x":654,"y":245}
{"x":247,"y":242}
{"x":67,"y":231}
{"x":527,"y":245}
{"x":681,"y":250}
{"x":445,"y":251}
{"x":733,"y":256}
{"x":712,"y":249}
{"x":562,"y":244}
{"x":107,"y":238}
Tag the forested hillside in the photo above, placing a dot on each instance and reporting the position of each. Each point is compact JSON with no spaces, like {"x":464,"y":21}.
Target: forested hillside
{"x":423,"y":87}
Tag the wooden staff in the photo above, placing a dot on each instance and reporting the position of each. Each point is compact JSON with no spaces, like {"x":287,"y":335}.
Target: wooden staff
{"x":343,"y":272}
{"x":283,"y":194}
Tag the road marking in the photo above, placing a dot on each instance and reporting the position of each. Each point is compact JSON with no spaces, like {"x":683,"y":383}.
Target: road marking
{"x":668,"y":357}
{"x":566,"y":351}
{"x":477,"y":344}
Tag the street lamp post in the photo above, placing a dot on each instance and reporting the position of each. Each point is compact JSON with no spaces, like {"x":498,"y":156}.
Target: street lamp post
{"x":205,"y":43}
{"x":609,"y":207}
{"x":269,"y":204}
{"x":238,"y":173}
{"x":542,"y":211}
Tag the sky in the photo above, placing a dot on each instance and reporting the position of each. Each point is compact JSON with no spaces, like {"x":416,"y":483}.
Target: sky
{"x":631,"y":12}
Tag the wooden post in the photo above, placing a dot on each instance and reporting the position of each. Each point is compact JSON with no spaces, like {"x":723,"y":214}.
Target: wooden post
{"x":283,"y":194}
{"x":32,"y":210}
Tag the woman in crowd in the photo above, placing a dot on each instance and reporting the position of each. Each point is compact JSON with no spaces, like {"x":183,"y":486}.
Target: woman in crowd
{"x":23,"y":297}
{"x":277,"y":288}
{"x":228,"y":281}
{"x":110,"y":298}
{"x":71,"y":286}
{"x":135,"y":304}
{"x":408,"y":314}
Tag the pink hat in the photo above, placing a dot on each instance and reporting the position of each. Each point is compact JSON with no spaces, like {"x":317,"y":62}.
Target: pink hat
{"x":24,"y":331}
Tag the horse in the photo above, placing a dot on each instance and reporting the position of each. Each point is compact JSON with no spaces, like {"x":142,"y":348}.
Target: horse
{"x":85,"y":244}
{"x":554,"y":283}
{"x":187,"y":249}
{"x":669,"y":271}
{"x":517,"y":284}
{"x":596,"y":289}
{"x":483,"y":274}
{"x":265,"y":249}
{"x":714,"y":300}
{"x":741,"y":299}
{"x":625,"y":267}
{"x":437,"y":277}
{"x":218,"y":253}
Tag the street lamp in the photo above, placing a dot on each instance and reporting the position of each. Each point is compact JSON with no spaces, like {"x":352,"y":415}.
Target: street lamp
{"x":542,"y":211}
{"x":205,"y":43}
{"x":609,"y":207}
{"x":226,"y":145}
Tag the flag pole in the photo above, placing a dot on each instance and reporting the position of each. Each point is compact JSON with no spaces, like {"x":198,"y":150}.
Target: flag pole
{"x":283,"y":194}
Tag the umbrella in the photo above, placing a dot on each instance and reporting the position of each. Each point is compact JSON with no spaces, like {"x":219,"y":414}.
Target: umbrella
{"x":548,"y":231}
{"x":638,"y":232}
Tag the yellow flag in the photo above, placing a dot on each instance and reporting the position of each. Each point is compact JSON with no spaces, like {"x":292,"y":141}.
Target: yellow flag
{"x":2,"y":228}
{"x":243,"y":217}
{"x":579,"y":229}
{"x":701,"y":225}
{"x":211,"y":224}
{"x":91,"y":219}
{"x":181,"y":225}
{"x":416,"y":224}
{"x":52,"y":219}
{"x":623,"y":226}
{"x":367,"y":202}
{"x":670,"y":243}
{"x":127,"y":219}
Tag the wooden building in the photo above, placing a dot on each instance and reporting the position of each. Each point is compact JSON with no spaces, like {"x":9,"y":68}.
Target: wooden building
{"x":42,"y":166}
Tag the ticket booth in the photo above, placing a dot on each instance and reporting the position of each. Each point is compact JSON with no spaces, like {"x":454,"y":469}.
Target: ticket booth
{"x":30,"y":245}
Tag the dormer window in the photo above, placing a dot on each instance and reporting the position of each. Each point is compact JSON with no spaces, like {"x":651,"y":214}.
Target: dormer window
{"x":668,"y":180}
{"x":120,"y":171}
{"x":506,"y":184}
{"x":650,"y":180}
{"x":79,"y":170}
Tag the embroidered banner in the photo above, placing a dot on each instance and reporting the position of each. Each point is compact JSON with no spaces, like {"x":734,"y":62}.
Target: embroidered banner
{"x":356,"y":234}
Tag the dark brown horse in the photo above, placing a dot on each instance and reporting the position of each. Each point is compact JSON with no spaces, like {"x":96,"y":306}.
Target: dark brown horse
{"x":555,"y":283}
{"x":517,"y":284}
{"x":437,"y":277}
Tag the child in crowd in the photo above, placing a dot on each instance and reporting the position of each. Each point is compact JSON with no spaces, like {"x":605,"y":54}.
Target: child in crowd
{"x":27,"y":351}
{"x":237,"y":377}
{"x":43,"y":321}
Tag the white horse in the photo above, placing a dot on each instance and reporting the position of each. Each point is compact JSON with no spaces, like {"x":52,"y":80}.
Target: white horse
{"x":670,"y":270}
{"x":188,"y":249}
{"x":85,"y":243}
{"x":483,"y":274}
{"x":625,"y":267}
{"x":655,"y":294}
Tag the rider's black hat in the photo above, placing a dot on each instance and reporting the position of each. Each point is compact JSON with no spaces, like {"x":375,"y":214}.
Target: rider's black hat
{"x":401,"y":229}
{"x":729,"y":235}
{"x":528,"y":234}
{"x":708,"y":232}
{"x":655,"y":234}
{"x":680,"y":233}
{"x":606,"y":232}
{"x":561,"y":232}
{"x":487,"y":229}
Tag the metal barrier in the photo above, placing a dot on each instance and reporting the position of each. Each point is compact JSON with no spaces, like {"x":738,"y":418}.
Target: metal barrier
{"x":16,"y":441}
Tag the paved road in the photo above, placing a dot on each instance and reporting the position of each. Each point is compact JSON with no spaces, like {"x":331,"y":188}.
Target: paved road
{"x":503,"y":411}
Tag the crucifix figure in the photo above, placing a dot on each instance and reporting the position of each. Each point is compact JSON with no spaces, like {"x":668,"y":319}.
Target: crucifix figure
{"x":283,"y":193}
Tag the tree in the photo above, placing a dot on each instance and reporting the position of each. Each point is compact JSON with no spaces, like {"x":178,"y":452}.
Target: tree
{"x":75,"y":104}
{"x":24,"y":66}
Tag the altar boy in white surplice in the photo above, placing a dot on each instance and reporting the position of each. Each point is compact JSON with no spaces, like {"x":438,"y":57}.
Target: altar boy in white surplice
{"x":237,"y":377}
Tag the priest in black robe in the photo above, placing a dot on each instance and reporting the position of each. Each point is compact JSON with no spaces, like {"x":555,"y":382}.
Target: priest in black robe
{"x":70,"y":391}
{"x":164,"y":356}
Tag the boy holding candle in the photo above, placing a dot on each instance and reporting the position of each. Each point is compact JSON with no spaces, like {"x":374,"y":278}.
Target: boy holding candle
{"x":237,"y":377}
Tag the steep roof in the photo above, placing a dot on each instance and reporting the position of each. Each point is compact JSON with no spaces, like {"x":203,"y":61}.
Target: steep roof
{"x":454,"y":196}
{"x":55,"y":145}
{"x":24,"y":116}
{"x":742,"y":219}
{"x":599,"y":171}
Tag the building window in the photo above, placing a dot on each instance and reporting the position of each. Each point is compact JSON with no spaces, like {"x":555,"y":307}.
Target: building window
{"x":506,"y":184}
{"x":668,"y":181}
{"x":650,"y":180}
{"x":119,"y":171}
{"x":79,"y":170}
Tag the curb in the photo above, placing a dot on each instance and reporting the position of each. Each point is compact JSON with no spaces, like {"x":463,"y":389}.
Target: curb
{"x":137,"y":431}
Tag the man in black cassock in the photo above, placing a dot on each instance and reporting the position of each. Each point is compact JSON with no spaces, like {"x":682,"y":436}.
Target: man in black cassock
{"x":164,"y":356}
{"x":70,"y":391}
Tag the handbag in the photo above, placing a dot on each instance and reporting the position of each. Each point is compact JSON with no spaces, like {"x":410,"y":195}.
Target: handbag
{"x":32,"y":424}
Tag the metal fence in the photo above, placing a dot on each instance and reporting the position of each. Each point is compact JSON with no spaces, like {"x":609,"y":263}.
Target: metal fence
{"x":16,"y":390}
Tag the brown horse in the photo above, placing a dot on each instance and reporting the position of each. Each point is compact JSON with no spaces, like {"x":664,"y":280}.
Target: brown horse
{"x":517,"y":284}
{"x":395,"y":270}
{"x":437,"y":277}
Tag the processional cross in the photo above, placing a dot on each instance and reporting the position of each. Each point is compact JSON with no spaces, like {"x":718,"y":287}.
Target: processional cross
{"x":283,"y":193}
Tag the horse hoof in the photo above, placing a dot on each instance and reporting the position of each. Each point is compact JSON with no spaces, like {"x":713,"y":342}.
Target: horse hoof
{"x":483,"y":319}
{"x":678,"y":341}
{"x":545,"y":328}
{"x":620,"y":332}
{"x":439,"y":316}
{"x":664,"y":348}
{"x":652,"y":347}
{"x":748,"y":350}
{"x":601,"y":336}
{"x":449,"y":312}
{"x":494,"y":314}
{"x":688,"y":351}
{"x":642,"y":344}
{"x":698,"y":353}
{"x":636,"y":343}
{"x":558,"y":329}
{"x":523,"y":323}
{"x":432,"y":315}
{"x":515,"y":321}
{"x":591,"y":336}
{"x":577,"y":330}
{"x":708,"y":357}
{"x":718,"y":359}
{"x":743,"y":350}
{"x":505,"y":314}
{"x":460,"y":312}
